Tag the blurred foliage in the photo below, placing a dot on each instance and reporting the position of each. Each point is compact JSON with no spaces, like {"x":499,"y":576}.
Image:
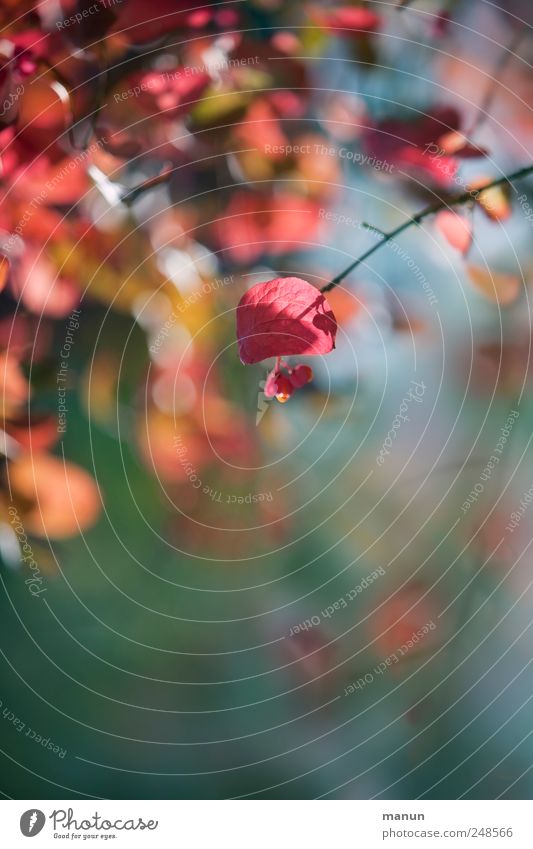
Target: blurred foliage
{"x":165,"y":530}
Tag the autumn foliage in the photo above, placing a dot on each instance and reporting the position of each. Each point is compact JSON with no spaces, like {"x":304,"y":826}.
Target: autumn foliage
{"x":147,"y":150}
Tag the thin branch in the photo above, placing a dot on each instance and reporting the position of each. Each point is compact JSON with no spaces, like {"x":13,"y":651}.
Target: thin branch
{"x":457,"y":200}
{"x":131,"y":196}
{"x":506,"y":55}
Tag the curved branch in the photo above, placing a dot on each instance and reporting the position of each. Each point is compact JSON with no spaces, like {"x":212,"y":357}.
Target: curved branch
{"x":457,"y":200}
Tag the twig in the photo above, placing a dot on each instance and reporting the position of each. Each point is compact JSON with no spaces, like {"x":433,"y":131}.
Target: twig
{"x":131,"y":196}
{"x":457,"y":200}
{"x":506,"y":55}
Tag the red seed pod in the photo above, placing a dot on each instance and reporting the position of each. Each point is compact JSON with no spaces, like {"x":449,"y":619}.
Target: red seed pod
{"x":284,"y":389}
{"x":301,"y":375}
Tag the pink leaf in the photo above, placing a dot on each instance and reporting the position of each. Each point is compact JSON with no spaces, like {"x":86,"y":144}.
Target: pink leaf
{"x":284,"y":317}
{"x":455,"y":229}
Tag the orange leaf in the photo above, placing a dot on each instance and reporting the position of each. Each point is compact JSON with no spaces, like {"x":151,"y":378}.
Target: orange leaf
{"x":494,"y":201}
{"x":503,"y":289}
{"x":455,"y":229}
{"x":4,"y":271}
{"x":56,"y":498}
{"x":45,"y":106}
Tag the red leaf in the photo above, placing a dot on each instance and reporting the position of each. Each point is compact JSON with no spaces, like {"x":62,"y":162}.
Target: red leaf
{"x":173,"y":93}
{"x":256,"y":224}
{"x":346,"y":18}
{"x":34,"y":433}
{"x":284,"y":317}
{"x":413,"y":145}
{"x":140,"y":21}
{"x":455,"y":229}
